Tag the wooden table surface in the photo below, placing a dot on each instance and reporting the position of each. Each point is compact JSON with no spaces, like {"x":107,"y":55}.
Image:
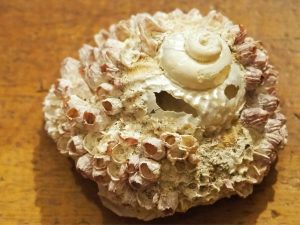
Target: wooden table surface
{"x":39,"y":186}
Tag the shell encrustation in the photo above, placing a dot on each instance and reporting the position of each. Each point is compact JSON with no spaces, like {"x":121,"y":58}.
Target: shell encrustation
{"x":168,"y":112}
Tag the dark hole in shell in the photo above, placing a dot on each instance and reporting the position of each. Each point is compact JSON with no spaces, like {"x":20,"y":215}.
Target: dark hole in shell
{"x":72,"y":113}
{"x":107,"y":105}
{"x":231,"y":91}
{"x":150,"y":149}
{"x":89,"y":118}
{"x":168,"y":103}
{"x":170,"y":139}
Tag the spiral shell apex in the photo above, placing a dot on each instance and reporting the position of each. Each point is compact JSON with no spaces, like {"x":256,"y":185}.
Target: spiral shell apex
{"x":167,"y":112}
{"x":197,"y":59}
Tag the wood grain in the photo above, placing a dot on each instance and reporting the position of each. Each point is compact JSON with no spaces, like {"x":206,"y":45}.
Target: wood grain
{"x":39,"y":186}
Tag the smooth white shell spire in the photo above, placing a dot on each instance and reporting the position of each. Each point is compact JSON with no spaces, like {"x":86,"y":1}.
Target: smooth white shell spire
{"x":203,"y":46}
{"x":197,"y":59}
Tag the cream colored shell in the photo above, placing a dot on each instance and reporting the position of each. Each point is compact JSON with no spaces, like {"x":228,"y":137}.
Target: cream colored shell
{"x":196,"y":59}
{"x":168,"y":112}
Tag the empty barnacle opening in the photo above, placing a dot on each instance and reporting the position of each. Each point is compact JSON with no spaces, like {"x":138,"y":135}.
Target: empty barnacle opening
{"x":231,"y":91}
{"x":107,"y":105}
{"x":89,"y":118}
{"x":131,"y":141}
{"x":150,"y":148}
{"x":168,"y":103}
{"x":188,"y":141}
{"x":170,"y":139}
{"x":112,"y":106}
{"x":131,"y":168}
{"x":101,"y":176}
{"x":129,"y":138}
{"x":75,"y":146}
{"x":147,"y":172}
{"x":177,"y":153}
{"x":149,"y":169}
{"x":113,"y":170}
{"x":118,"y":154}
{"x":72,"y":113}
{"x":101,"y":161}
{"x":132,"y":163}
{"x":135,"y":184}
{"x":136,"y":181}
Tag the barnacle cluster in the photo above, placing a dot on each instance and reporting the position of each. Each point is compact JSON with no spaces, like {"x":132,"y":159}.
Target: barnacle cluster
{"x":168,"y":112}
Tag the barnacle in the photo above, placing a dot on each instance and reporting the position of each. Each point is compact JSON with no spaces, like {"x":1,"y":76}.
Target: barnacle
{"x":167,"y":112}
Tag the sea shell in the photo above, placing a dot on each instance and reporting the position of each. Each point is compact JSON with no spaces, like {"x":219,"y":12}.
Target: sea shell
{"x":168,"y":112}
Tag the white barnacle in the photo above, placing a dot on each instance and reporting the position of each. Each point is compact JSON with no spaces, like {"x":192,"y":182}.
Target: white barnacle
{"x":100,"y":161}
{"x":149,"y":169}
{"x":188,"y":143}
{"x":153,"y":148}
{"x":62,"y":144}
{"x":75,"y":146}
{"x":112,"y":106}
{"x":104,"y":89}
{"x":170,"y":140}
{"x":113,"y":171}
{"x":176,"y":154}
{"x":72,"y":113}
{"x":133,"y":164}
{"x":90,"y":141}
{"x":84,"y":165}
{"x":137,"y":182}
{"x":131,"y":138}
{"x":121,"y":30}
{"x":119,"y":154}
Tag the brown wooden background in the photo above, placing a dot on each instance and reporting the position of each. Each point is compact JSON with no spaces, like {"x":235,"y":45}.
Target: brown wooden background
{"x":39,"y":186}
